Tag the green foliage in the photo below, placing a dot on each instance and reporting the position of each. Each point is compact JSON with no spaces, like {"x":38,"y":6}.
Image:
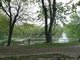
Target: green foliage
{"x":57,"y":31}
{"x":31,"y":30}
{"x":60,"y":7}
{"x":3,"y":25}
{"x":73,"y":28}
{"x":27,"y":30}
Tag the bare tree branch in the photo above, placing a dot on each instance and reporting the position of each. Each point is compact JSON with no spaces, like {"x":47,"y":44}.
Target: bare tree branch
{"x":5,"y":11}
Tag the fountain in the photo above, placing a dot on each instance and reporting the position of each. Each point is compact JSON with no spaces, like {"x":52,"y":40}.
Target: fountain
{"x":63,"y":38}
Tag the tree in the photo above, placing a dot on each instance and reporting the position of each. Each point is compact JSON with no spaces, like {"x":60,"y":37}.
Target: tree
{"x":52,"y":14}
{"x":72,"y":29}
{"x":12,"y":8}
{"x":57,"y":31}
{"x":3,"y":23}
{"x":28,"y":30}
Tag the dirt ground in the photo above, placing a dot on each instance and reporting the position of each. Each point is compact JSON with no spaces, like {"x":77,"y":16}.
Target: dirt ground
{"x":18,"y":51}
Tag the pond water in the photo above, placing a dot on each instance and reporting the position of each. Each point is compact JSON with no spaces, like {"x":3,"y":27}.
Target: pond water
{"x":24,"y":41}
{"x":62,"y":39}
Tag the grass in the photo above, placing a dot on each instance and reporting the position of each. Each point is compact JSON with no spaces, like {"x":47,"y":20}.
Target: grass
{"x":46,"y":45}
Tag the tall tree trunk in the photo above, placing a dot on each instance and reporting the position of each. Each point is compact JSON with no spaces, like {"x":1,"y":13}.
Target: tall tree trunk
{"x":52,"y":13}
{"x":49,"y":35}
{"x":9,"y":36}
{"x":46,"y":22}
{"x":10,"y":33}
{"x":49,"y":38}
{"x":52,"y":20}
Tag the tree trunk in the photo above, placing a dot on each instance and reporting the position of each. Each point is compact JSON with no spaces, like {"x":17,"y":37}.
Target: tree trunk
{"x":52,"y":20}
{"x":9,"y":36}
{"x":52,"y":12}
{"x":49,"y":38}
{"x":46,"y":23}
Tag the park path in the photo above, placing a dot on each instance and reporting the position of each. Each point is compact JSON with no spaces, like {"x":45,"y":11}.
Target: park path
{"x":73,"y":51}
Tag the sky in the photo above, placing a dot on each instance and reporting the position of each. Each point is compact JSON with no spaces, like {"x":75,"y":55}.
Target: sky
{"x":34,"y":8}
{"x":66,"y":1}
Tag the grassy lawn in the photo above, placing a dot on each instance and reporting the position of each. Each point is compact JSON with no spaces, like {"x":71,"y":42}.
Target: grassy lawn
{"x":45,"y":45}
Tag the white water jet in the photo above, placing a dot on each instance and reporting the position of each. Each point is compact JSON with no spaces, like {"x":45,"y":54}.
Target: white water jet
{"x":63,"y":38}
